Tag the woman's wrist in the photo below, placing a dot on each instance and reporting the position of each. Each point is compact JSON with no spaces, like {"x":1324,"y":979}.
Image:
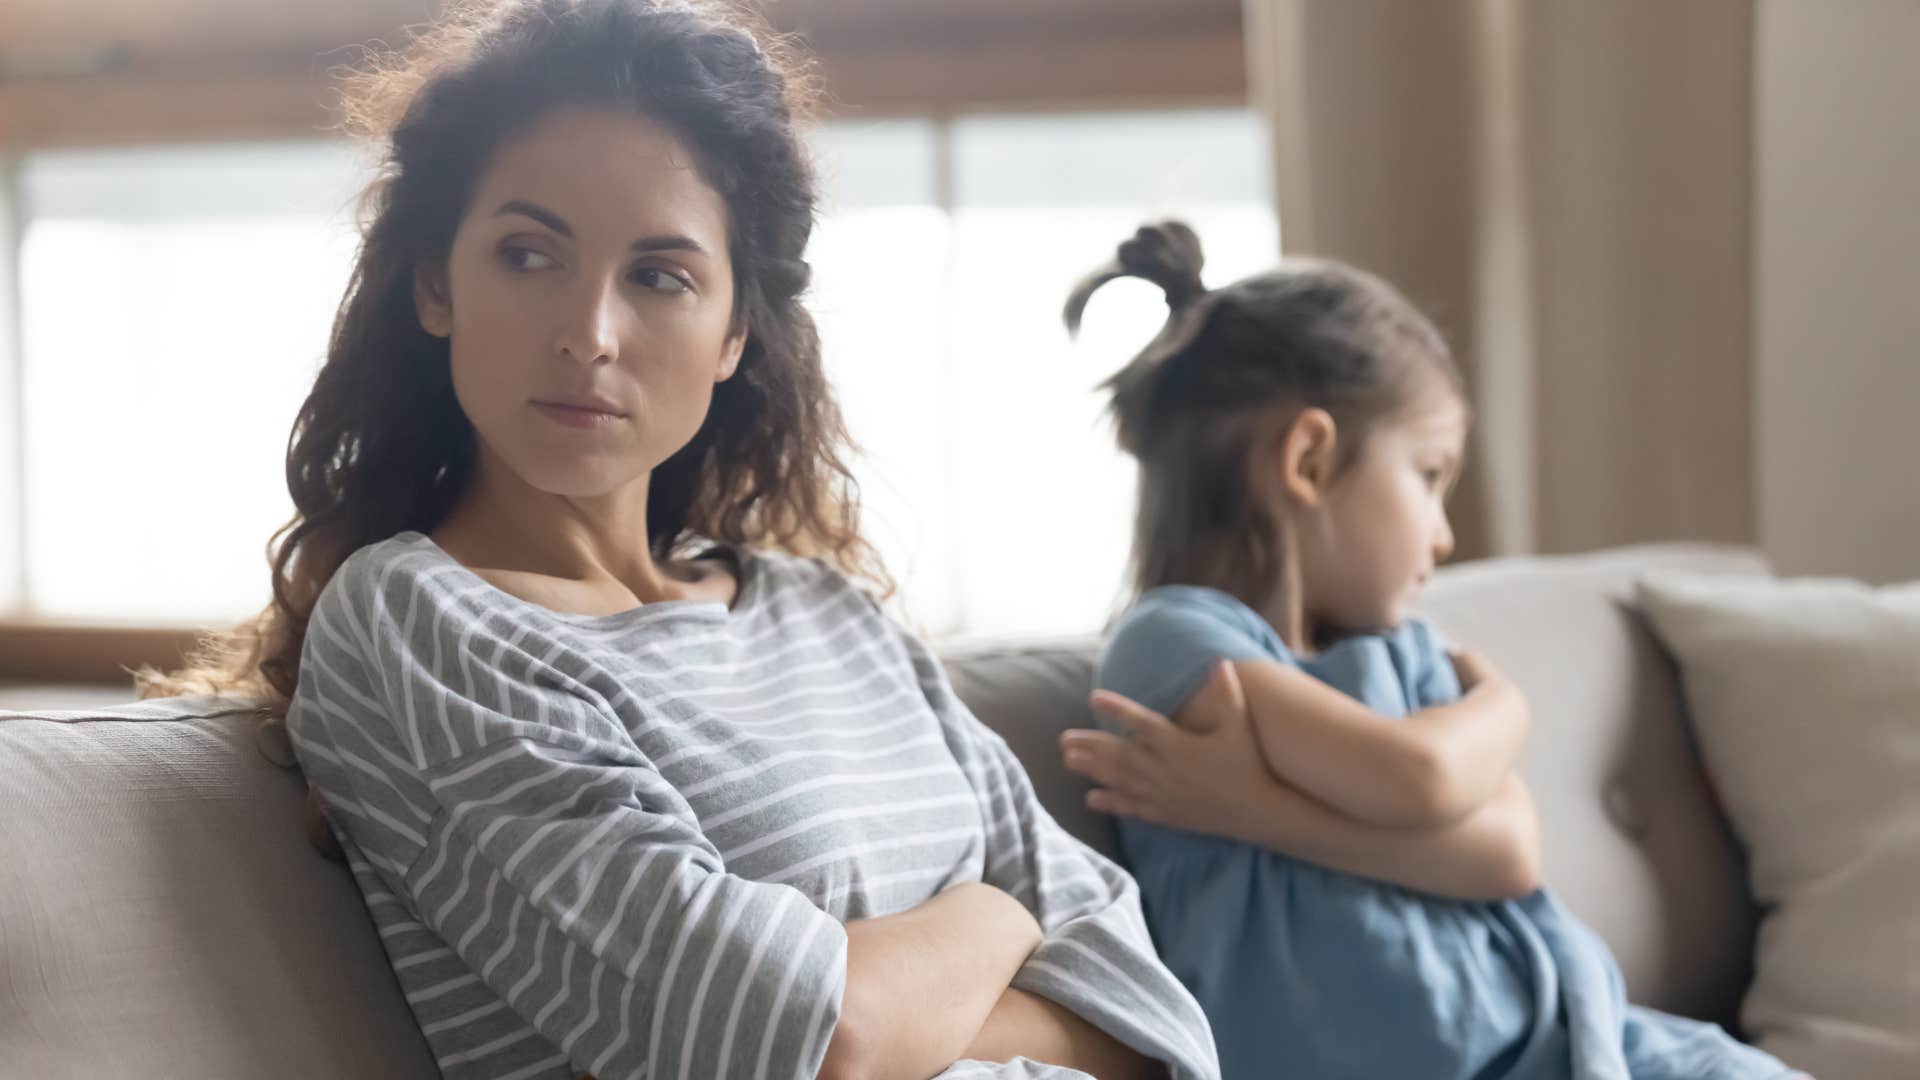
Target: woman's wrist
{"x":1004,"y":922}
{"x":1030,"y":1026}
{"x":921,"y":982}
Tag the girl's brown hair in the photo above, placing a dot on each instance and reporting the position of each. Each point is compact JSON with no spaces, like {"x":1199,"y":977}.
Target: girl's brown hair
{"x":381,"y":446}
{"x":1189,"y":407}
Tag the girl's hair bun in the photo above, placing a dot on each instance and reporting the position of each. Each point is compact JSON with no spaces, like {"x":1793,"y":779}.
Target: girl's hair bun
{"x":1166,"y":253}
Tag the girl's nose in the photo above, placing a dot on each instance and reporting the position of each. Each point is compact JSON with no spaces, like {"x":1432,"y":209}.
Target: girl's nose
{"x":590,"y":332}
{"x":1443,"y":540}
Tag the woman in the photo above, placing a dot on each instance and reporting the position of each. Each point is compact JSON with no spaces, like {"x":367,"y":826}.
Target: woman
{"x":620,"y":802}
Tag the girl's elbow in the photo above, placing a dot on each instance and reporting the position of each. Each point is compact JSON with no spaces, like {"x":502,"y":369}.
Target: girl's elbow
{"x":1520,"y":874}
{"x":1517,"y":869}
{"x":1434,"y":795}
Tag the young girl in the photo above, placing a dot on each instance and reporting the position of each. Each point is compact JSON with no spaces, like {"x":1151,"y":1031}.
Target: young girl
{"x":1374,"y":911}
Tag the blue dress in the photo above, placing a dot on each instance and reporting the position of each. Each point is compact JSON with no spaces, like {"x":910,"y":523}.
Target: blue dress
{"x":1309,"y":972}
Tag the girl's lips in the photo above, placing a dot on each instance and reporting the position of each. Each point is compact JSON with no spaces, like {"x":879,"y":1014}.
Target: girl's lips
{"x":576,"y":416}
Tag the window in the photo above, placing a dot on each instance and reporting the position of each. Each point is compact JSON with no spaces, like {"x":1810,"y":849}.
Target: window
{"x":993,"y":485}
{"x":175,"y":303}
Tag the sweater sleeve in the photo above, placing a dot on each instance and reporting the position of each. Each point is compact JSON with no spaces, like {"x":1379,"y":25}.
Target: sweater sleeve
{"x":524,"y":828}
{"x":1096,"y":958}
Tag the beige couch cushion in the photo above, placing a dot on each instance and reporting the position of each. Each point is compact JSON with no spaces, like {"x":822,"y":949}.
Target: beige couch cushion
{"x":161,"y":913}
{"x":1806,"y":697}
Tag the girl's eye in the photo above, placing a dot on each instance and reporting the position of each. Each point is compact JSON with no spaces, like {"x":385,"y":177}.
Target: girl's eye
{"x":1433,"y":477}
{"x":666,"y":281}
{"x":520,"y":258}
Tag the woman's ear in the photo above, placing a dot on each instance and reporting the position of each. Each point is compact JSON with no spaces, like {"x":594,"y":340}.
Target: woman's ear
{"x":1308,"y":449}
{"x":431,"y":300}
{"x":730,"y":352}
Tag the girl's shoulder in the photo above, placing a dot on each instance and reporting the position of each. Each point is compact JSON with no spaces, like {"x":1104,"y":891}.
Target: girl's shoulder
{"x":1411,"y":657}
{"x":1160,"y":649}
{"x":1415,"y":638}
{"x":1197,"y":609}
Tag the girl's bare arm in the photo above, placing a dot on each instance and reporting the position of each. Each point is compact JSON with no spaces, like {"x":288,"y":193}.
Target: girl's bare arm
{"x":1428,"y":770}
{"x":1207,"y":775}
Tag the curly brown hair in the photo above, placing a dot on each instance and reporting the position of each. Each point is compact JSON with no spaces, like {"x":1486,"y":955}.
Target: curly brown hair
{"x":381,"y":446}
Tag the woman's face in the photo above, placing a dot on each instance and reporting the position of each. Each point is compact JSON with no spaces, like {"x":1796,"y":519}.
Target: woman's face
{"x":588,"y":302}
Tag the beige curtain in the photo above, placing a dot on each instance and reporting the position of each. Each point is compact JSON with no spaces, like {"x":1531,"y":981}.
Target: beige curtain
{"x":1566,"y":186}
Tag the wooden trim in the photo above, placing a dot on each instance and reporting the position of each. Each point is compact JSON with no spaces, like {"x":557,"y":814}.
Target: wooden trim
{"x":293,"y":99}
{"x":76,"y":653}
{"x":183,"y":107}
{"x":1022,"y":75}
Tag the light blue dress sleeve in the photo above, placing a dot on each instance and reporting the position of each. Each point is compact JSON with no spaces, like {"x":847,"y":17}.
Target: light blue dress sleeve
{"x":1160,"y":651}
{"x":1431,"y":676}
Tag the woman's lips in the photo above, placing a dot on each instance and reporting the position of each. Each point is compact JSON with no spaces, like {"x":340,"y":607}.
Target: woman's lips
{"x":577,"y":416}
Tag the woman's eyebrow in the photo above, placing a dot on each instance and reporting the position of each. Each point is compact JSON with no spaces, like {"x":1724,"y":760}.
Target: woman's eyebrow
{"x":658,"y":242}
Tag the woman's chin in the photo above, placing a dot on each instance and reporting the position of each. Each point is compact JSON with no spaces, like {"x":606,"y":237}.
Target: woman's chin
{"x":575,"y":477}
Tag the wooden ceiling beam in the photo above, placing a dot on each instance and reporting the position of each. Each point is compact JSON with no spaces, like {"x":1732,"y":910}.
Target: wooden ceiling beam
{"x":875,"y":58}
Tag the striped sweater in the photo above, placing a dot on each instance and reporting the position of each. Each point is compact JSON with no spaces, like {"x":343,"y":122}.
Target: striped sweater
{"x":627,"y":844}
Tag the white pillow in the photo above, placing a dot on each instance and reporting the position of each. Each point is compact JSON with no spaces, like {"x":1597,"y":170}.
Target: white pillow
{"x":1805,"y":696}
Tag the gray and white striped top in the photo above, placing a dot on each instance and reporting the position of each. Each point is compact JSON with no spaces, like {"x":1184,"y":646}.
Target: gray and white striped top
{"x":627,"y":844}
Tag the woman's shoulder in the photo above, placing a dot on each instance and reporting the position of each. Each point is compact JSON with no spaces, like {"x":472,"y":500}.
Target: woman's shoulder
{"x":391,"y":577}
{"x":789,"y":586}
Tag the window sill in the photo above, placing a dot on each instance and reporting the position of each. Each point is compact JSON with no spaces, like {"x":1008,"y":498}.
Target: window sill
{"x":67,"y":652}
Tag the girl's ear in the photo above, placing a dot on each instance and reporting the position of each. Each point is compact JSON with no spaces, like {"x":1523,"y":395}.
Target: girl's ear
{"x":1308,"y":454}
{"x":431,"y":300}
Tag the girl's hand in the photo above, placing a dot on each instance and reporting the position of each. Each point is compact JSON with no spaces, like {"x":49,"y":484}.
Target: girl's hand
{"x":1204,"y":774}
{"x":1471,"y":668}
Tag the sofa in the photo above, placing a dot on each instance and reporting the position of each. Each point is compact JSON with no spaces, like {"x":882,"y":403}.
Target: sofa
{"x":163,"y":915}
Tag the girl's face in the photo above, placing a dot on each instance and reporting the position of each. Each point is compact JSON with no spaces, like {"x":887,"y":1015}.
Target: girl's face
{"x":1382,"y":526}
{"x":588,"y":303}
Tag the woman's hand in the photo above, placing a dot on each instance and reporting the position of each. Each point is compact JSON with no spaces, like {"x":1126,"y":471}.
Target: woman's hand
{"x":1203,"y":775}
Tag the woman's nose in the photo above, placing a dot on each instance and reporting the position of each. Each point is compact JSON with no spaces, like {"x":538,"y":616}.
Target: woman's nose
{"x":590,"y":332}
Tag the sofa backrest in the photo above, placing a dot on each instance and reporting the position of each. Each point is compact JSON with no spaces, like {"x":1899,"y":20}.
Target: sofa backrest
{"x":162,"y":914}
{"x":1633,"y":840}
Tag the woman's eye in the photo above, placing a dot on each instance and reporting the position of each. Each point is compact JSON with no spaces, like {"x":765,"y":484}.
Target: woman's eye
{"x":520,"y":258}
{"x":652,"y":277}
